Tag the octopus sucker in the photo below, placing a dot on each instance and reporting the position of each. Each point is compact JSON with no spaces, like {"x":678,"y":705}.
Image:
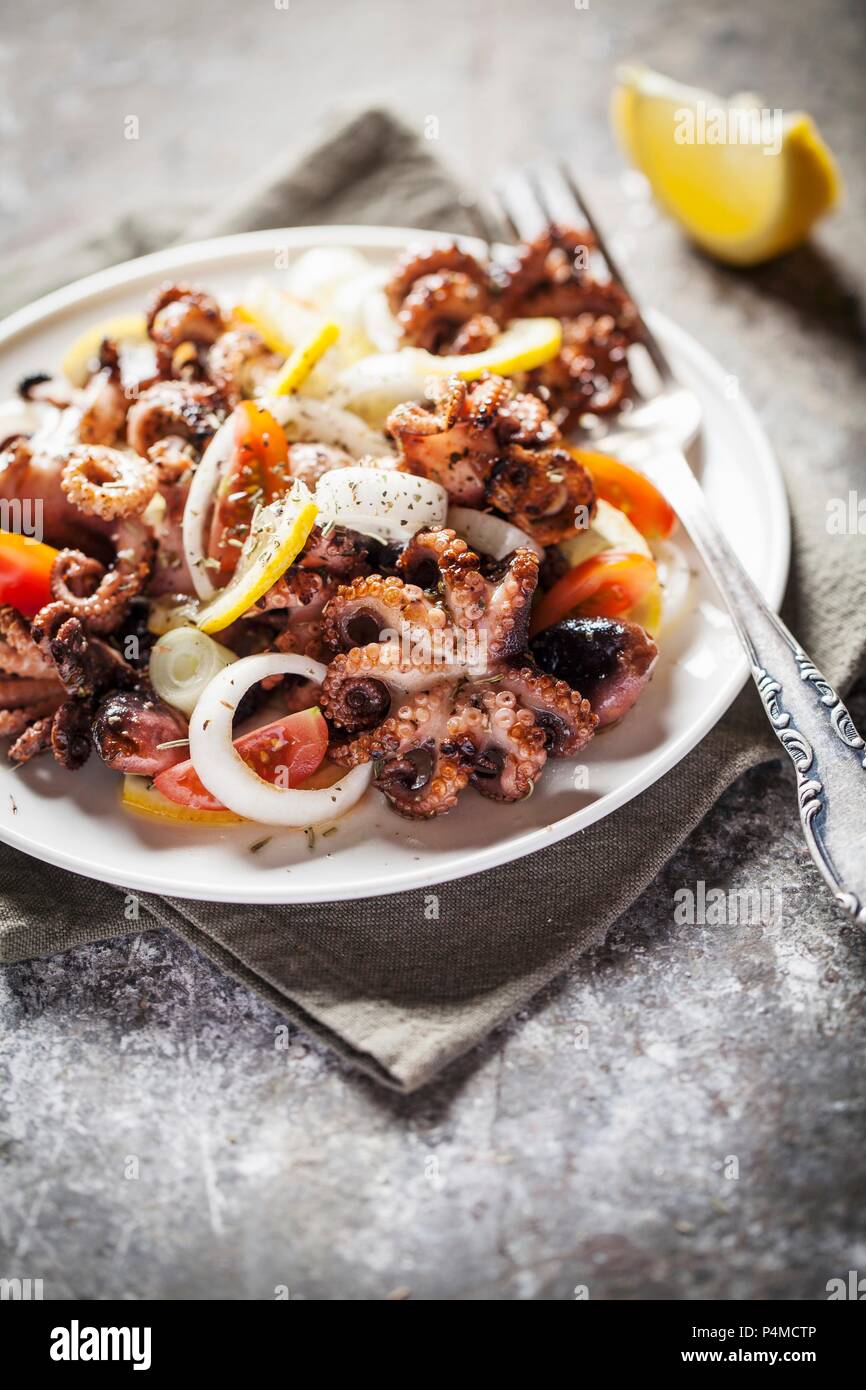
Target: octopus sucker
{"x":491,"y":448}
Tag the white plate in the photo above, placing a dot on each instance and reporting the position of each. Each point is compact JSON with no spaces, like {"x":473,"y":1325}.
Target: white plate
{"x":75,"y":821}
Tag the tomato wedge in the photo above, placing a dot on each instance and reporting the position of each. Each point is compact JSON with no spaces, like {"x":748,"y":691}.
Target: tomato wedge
{"x":285,"y":753}
{"x":258,"y":472}
{"x":629,"y":490}
{"x":604,"y":586}
{"x":25,"y":572}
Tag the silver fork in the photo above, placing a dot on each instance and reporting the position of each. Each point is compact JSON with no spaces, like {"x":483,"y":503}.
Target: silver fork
{"x":807,"y":716}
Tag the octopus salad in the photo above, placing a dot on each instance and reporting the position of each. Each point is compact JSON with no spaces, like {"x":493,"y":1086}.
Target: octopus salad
{"x":259,"y":555}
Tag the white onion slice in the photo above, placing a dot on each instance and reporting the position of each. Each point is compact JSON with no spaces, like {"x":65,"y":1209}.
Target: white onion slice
{"x":381,"y":502}
{"x":198,"y":504}
{"x":375,"y":385}
{"x":490,"y":534}
{"x":226,"y":775}
{"x":319,"y":422}
{"x":182,"y":663}
{"x":18,"y":417}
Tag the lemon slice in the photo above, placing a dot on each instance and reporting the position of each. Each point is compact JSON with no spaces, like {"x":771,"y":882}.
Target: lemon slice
{"x":746,"y":184}
{"x":524,"y":344}
{"x":139,"y":794}
{"x":277,"y":534}
{"x":302,"y":360}
{"x":80,"y":358}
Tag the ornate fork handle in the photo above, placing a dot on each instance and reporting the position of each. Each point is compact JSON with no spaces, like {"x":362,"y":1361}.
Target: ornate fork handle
{"x":807,"y":716}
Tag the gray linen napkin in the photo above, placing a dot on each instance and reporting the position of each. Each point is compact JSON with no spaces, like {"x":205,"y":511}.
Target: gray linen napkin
{"x":397,"y":994}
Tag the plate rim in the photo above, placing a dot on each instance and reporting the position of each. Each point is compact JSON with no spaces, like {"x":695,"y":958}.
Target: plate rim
{"x":454,"y":866}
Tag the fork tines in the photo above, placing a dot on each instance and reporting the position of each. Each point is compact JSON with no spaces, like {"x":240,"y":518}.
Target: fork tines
{"x":533,"y":199}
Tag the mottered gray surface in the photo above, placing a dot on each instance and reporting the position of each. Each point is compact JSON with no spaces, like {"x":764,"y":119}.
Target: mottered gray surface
{"x":683,"y":1114}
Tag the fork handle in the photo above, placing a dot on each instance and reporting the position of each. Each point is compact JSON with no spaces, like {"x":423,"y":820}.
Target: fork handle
{"x":807,"y":716}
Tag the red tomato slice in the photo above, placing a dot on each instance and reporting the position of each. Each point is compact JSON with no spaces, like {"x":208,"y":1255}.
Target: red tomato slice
{"x":285,"y":753}
{"x":25,"y":572}
{"x":624,"y":487}
{"x":604,"y":586}
{"x":258,"y":472}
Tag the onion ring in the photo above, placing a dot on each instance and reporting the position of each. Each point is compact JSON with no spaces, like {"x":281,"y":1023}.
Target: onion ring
{"x":224,"y":772}
{"x":381,"y":502}
{"x":202,"y":491}
{"x":490,"y":534}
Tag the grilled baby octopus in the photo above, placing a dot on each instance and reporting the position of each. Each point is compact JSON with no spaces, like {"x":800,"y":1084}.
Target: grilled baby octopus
{"x":433,"y":685}
{"x":491,"y":448}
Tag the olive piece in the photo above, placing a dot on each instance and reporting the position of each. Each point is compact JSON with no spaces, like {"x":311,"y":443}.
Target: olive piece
{"x":580,"y":651}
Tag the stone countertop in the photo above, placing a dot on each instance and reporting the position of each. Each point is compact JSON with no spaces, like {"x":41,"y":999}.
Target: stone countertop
{"x":682,"y":1115}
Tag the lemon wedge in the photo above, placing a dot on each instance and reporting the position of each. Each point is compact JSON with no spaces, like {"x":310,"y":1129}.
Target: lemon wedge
{"x":139,"y":794}
{"x":80,"y":358}
{"x":745,"y":182}
{"x":302,"y":360}
{"x":276,"y":536}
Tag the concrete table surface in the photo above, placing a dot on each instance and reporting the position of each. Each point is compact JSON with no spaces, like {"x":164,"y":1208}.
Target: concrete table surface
{"x":682,"y":1115}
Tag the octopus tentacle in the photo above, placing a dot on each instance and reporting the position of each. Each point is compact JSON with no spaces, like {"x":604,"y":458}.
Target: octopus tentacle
{"x":179,"y":314}
{"x":361,"y":611}
{"x":541,"y":490}
{"x":34,"y":739}
{"x":565,"y":717}
{"x":501,"y":743}
{"x":497,"y":611}
{"x":361,"y":684}
{"x":19,"y":691}
{"x":488,"y":447}
{"x":240,"y":362}
{"x":107,"y":482}
{"x":14,"y":722}
{"x":19,"y":654}
{"x":187,"y":410}
{"x":407,"y":750}
{"x":421,"y":261}
{"x":103,"y":609}
{"x":447,"y":312}
{"x":105,"y":403}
